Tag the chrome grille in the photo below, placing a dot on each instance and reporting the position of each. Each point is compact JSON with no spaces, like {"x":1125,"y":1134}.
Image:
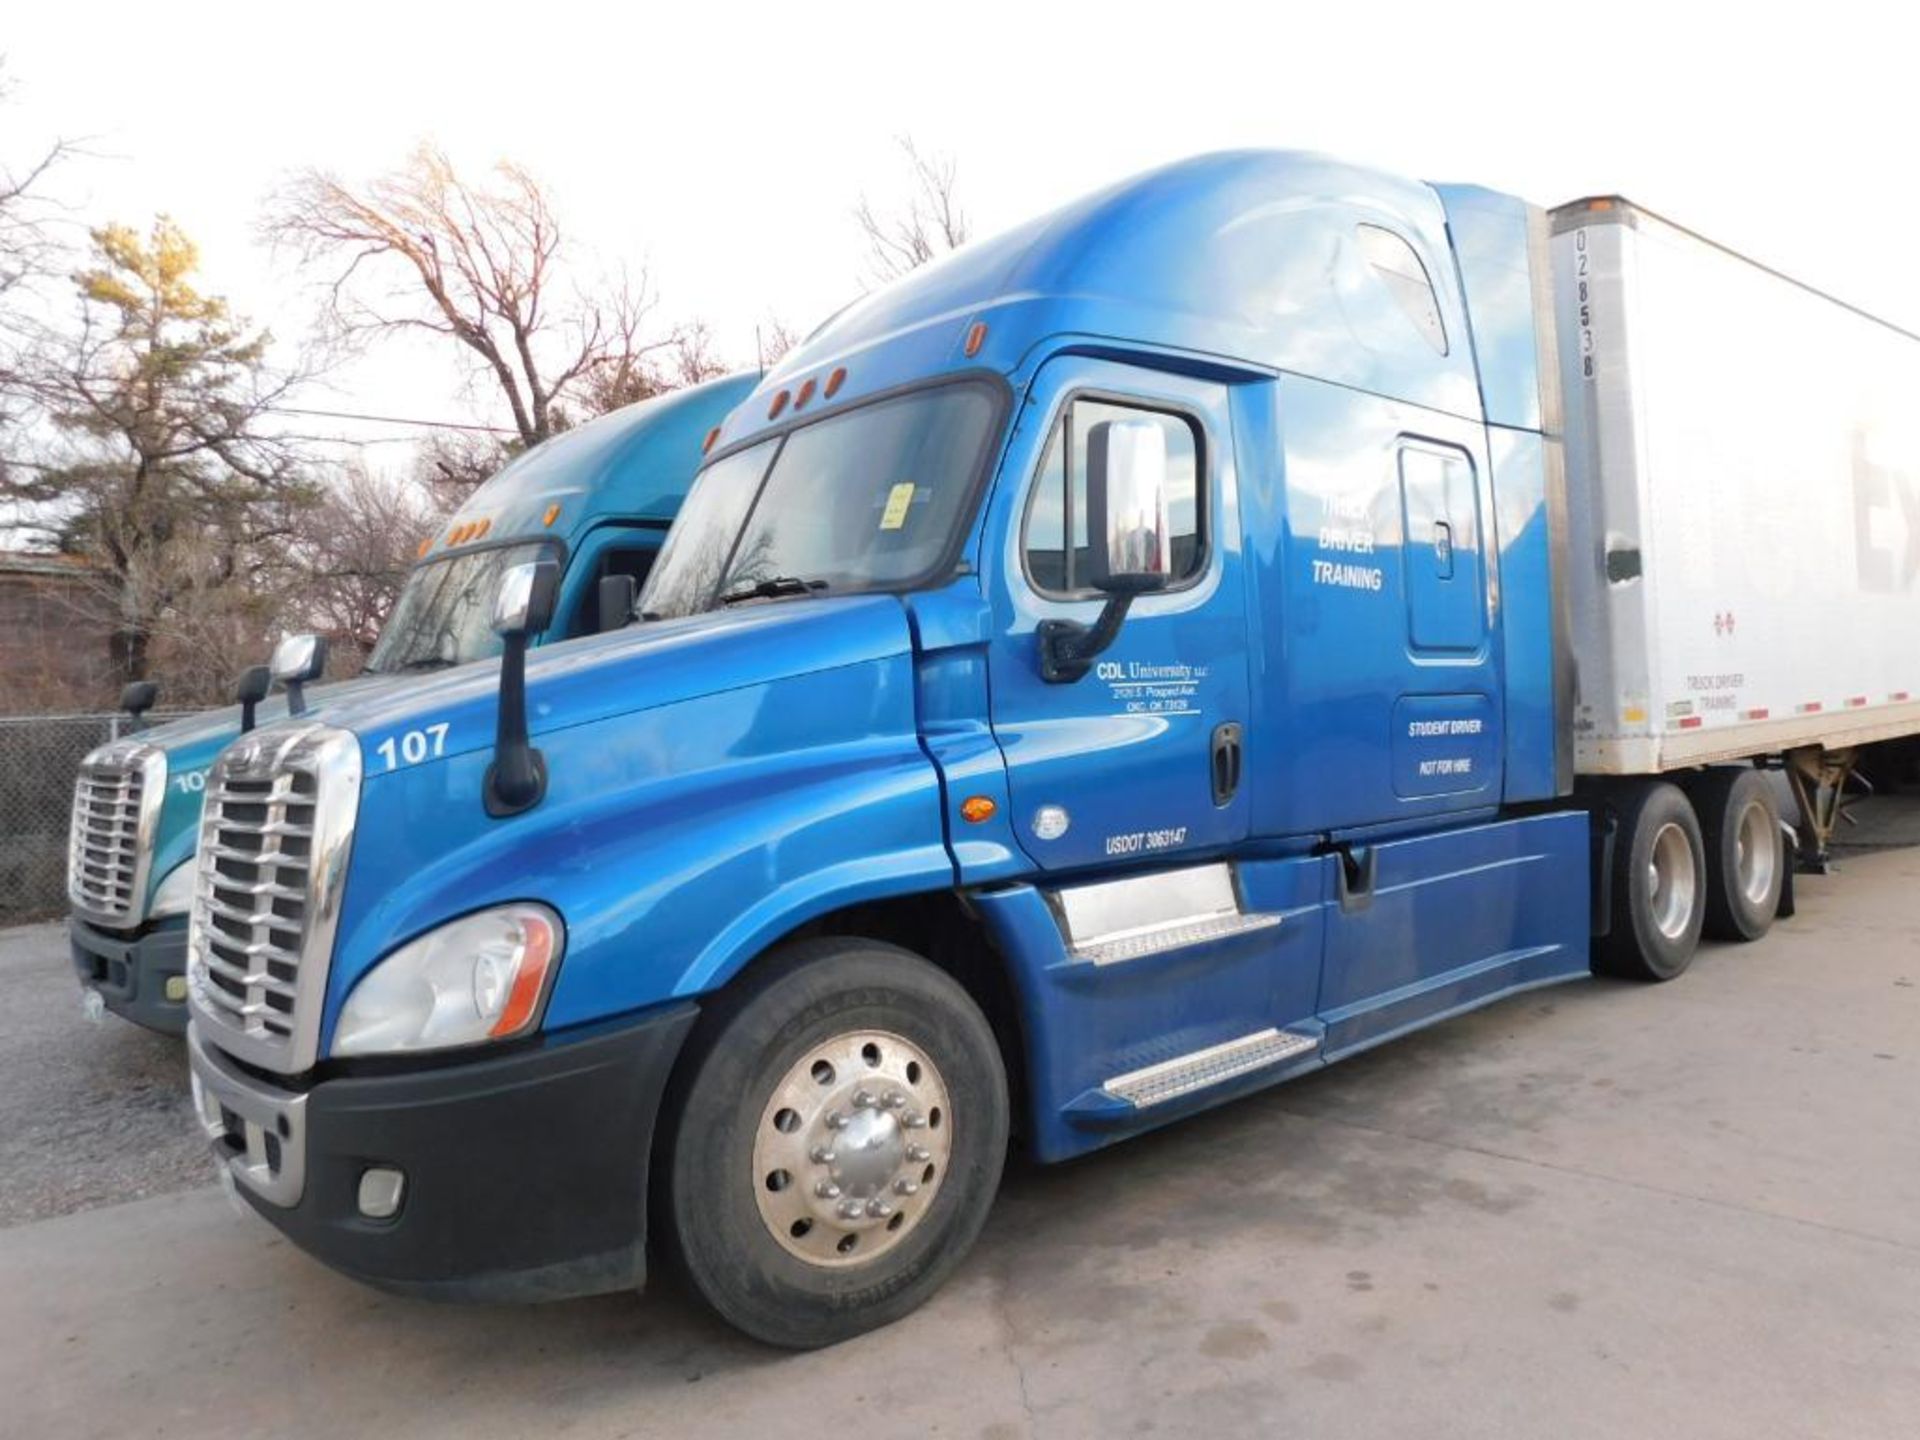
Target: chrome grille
{"x":274,"y":835}
{"x":116,"y":805}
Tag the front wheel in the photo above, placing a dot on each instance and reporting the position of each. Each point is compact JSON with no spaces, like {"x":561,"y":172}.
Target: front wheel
{"x":838,"y":1144}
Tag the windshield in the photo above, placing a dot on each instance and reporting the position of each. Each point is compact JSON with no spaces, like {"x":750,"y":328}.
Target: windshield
{"x":443,"y":616}
{"x":872,"y":499}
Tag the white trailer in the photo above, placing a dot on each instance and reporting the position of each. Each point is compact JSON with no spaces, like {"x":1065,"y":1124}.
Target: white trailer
{"x":1743,"y":481}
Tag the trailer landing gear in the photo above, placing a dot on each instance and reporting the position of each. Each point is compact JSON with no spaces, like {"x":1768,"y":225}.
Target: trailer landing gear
{"x":1818,"y":778}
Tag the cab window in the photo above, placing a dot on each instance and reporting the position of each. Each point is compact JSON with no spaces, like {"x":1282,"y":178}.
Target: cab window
{"x":1054,"y":537}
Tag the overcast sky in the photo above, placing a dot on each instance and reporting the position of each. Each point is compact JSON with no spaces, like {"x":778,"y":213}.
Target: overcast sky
{"x":723,"y":146}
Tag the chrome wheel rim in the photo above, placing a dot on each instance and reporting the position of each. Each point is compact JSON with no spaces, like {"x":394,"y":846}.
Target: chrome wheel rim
{"x":1672,"y":881}
{"x":851,"y":1148}
{"x":1756,"y":853}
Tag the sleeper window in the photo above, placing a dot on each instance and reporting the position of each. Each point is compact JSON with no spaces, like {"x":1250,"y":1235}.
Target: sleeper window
{"x":1055,"y":535}
{"x":1399,"y":269}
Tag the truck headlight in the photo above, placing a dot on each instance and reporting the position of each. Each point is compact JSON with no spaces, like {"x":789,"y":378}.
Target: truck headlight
{"x":175,"y":895}
{"x":481,"y":977}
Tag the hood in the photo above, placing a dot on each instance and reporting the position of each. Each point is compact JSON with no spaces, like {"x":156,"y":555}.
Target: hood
{"x":191,"y":734}
{"x":643,"y":666}
{"x":193,"y":742}
{"x":707,"y":778}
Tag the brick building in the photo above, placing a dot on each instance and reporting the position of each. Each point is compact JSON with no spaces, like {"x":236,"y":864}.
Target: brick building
{"x":55,"y":655}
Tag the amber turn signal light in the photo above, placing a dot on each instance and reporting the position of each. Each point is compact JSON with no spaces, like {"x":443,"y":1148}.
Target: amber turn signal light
{"x":976,"y":809}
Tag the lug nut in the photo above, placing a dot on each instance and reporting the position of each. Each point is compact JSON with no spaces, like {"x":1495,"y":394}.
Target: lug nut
{"x":913,"y":1120}
{"x":850,"y":1210}
{"x":822,"y":1155}
{"x":879,"y":1209}
{"x":827,"y":1190}
{"x":895,"y":1099}
{"x":836,"y":1120}
{"x":906,"y":1187}
{"x":863,"y":1100}
{"x":919,"y":1154}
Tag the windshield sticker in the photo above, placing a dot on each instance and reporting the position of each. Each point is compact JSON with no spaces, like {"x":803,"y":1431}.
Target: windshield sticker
{"x":898,"y":499}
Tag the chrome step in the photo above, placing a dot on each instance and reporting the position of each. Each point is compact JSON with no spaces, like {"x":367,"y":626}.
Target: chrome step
{"x":1170,"y":1079}
{"x":1177,"y":935}
{"x":1126,"y":919}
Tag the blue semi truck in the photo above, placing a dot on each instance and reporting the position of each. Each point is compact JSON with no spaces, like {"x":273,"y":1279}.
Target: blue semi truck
{"x":596,"y":500}
{"x":1142,"y":658}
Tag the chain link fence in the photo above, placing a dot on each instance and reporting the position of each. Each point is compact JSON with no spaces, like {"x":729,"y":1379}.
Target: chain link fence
{"x":39,"y":757}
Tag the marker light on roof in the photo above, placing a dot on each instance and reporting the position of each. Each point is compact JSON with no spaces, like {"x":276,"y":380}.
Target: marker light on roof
{"x":779,"y":404}
{"x":835,"y":381}
{"x":706,"y":445}
{"x":806,"y":394}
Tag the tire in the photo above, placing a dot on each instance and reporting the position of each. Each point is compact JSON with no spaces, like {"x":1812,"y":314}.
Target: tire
{"x":1746,"y":858}
{"x":898,"y":1054}
{"x":1655,"y":926}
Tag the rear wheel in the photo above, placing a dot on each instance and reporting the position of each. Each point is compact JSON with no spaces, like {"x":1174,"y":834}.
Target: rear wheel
{"x":1659,"y":886}
{"x":1746,"y":857}
{"x":838,"y":1145}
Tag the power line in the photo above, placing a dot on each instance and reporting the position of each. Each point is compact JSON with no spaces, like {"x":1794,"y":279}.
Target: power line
{"x":389,"y":420}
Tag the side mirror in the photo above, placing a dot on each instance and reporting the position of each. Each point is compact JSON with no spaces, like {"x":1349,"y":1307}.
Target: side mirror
{"x":1127,"y":507}
{"x":137,"y":698}
{"x":297,"y":660}
{"x":523,"y":607}
{"x":616,"y":599}
{"x":1133,"y":543}
{"x":255,"y":682}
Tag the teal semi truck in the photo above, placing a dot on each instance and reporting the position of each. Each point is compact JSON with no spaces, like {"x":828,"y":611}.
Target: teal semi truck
{"x":597,"y":501}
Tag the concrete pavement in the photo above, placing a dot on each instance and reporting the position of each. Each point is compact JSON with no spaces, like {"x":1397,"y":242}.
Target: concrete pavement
{"x":91,"y":1112}
{"x":1603,"y":1210}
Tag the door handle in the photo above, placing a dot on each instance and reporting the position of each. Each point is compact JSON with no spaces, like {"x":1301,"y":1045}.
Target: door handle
{"x":1226,"y":757}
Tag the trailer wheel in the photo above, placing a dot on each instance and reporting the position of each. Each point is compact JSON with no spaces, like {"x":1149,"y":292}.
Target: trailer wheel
{"x":838,"y":1144}
{"x":1746,"y":861}
{"x":1659,"y":886}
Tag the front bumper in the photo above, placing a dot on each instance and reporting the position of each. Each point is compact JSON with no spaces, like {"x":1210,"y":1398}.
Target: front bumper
{"x":526,"y":1174}
{"x":131,"y":971}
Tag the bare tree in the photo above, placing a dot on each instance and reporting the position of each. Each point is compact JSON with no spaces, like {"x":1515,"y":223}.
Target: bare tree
{"x":26,"y":247}
{"x":451,"y":465}
{"x":485,"y":265}
{"x":350,"y":558}
{"x":29,"y":252}
{"x":926,"y":224}
{"x":772,"y":340}
{"x":689,"y":359}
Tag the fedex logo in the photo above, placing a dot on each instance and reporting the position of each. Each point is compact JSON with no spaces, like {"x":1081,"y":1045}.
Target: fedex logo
{"x":1886,"y":522}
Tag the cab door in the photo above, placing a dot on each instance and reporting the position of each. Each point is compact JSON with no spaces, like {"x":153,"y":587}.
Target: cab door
{"x":1139,"y":761}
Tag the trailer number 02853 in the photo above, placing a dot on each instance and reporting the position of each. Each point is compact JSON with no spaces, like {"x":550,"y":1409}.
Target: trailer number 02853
{"x":414,"y":746}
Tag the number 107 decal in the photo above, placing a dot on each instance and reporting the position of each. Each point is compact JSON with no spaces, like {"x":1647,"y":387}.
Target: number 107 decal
{"x":414,"y":746}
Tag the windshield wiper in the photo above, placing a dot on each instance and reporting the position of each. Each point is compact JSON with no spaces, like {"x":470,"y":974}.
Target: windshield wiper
{"x":773,"y":589}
